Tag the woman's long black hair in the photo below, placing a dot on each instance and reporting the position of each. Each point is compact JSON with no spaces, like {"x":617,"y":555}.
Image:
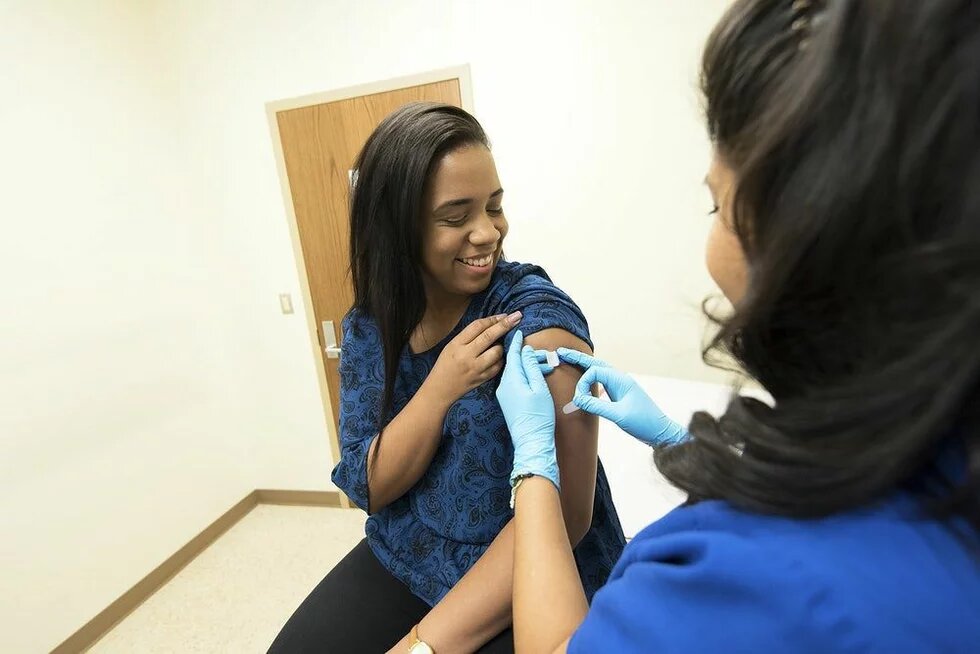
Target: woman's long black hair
{"x":385,"y":214}
{"x":853,"y":129}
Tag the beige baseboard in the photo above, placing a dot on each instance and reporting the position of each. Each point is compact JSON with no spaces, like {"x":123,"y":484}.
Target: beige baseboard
{"x":302,"y":498}
{"x":129,"y":601}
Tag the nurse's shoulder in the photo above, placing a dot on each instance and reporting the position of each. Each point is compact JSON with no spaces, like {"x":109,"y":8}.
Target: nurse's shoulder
{"x":712,"y":578}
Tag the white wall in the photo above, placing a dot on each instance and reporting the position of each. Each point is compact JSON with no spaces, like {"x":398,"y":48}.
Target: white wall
{"x":149,"y":380}
{"x":124,"y":429}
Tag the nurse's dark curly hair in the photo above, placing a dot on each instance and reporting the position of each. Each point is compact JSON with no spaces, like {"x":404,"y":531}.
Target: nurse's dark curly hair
{"x":853,"y":129}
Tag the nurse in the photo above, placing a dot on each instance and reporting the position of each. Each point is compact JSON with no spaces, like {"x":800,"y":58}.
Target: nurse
{"x":845,"y":516}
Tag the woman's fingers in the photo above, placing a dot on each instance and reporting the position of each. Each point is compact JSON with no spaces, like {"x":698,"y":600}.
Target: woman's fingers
{"x":490,"y":358}
{"x":477,"y":327}
{"x":492,"y":371}
{"x":483,"y":333}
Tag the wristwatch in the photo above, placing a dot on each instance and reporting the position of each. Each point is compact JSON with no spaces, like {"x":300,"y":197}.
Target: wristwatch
{"x":418,"y":646}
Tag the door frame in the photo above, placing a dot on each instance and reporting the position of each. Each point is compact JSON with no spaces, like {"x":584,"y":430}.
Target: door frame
{"x":462,"y":73}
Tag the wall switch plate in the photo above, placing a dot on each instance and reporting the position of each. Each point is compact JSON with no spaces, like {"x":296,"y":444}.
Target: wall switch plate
{"x":286,"y":303}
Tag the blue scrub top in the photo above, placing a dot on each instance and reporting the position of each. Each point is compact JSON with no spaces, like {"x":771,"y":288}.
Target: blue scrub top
{"x":710,"y":578}
{"x":431,"y":536}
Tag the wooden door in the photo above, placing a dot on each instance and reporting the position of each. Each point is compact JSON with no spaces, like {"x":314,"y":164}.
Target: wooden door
{"x":319,"y":145}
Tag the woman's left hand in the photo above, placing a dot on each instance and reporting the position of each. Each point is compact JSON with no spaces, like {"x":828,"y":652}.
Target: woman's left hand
{"x":529,"y":411}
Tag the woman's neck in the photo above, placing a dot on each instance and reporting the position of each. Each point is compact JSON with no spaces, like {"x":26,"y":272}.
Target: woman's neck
{"x":440,"y":305}
{"x":446,"y":306}
{"x":441,"y":315}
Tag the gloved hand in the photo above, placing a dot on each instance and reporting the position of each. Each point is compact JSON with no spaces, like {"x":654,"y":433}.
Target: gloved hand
{"x":631,"y":408}
{"x":529,"y":411}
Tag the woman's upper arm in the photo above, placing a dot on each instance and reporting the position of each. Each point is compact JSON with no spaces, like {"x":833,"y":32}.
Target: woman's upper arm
{"x":576,"y":434}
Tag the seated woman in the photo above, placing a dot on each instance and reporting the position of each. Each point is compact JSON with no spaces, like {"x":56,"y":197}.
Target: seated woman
{"x":425,"y":449}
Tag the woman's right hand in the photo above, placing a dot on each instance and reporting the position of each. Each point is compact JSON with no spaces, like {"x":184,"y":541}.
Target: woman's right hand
{"x":630,"y":407}
{"x":471,"y":358}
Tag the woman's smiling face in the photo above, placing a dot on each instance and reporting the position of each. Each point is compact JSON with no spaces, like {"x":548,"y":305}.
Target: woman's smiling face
{"x":463,"y":223}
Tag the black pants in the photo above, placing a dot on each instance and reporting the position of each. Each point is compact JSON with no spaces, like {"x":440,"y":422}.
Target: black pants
{"x":360,"y":608}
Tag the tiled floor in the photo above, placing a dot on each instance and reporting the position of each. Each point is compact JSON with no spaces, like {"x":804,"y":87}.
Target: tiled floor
{"x":235,"y":596}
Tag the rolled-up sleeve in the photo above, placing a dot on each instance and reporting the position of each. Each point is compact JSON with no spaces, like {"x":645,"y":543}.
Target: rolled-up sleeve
{"x":544,"y":306}
{"x":361,"y":380}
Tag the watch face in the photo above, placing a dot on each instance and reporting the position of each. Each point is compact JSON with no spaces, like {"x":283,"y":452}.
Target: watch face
{"x":420,"y":648}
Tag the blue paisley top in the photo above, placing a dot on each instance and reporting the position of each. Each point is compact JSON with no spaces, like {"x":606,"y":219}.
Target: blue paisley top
{"x":434,"y":533}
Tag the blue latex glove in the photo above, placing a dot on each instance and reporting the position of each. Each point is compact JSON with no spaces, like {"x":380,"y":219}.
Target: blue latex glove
{"x":529,"y":411}
{"x":541,"y":356}
{"x":631,"y":408}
